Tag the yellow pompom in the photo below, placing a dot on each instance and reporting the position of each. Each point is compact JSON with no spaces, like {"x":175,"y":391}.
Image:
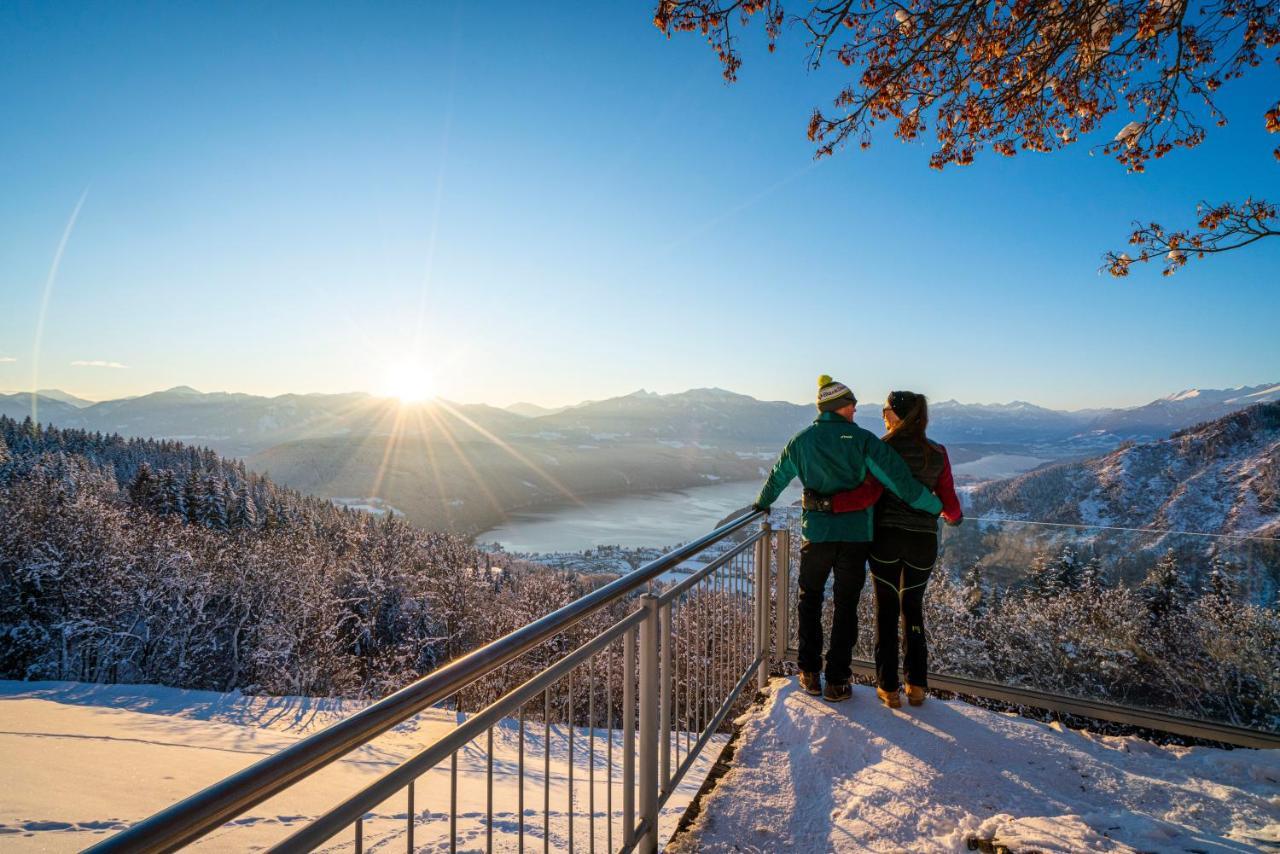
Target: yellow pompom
{"x":825,"y":379}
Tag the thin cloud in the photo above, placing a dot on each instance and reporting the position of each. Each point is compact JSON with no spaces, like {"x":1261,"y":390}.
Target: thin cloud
{"x":7,"y":359}
{"x":96,"y":363}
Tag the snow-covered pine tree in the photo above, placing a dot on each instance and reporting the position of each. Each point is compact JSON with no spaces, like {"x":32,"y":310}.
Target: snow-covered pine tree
{"x":212,"y":502}
{"x":1069,"y":569}
{"x":1164,"y":590}
{"x":170,"y":497}
{"x":191,"y":496}
{"x":972,"y":590}
{"x":1043,"y":577}
{"x":246,"y":510}
{"x":1220,"y":590}
{"x":145,"y":487}
{"x":1091,"y":576}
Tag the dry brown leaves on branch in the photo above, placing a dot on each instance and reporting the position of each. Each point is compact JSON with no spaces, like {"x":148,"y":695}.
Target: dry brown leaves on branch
{"x":1011,"y":75}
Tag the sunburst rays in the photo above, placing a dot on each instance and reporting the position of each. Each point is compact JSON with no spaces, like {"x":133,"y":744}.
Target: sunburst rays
{"x":444,"y":439}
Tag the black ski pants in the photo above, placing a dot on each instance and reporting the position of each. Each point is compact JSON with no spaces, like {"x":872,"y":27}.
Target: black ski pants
{"x":901,"y":562}
{"x":817,"y":561}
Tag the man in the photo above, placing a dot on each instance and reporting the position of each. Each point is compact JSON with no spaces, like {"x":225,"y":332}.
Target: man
{"x":833,"y":455}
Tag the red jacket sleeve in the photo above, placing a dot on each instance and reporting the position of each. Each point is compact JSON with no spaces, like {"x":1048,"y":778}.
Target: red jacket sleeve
{"x":859,"y":498}
{"x":946,"y":491}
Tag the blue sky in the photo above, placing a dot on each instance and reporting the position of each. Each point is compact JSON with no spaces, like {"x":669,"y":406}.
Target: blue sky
{"x":530,"y":206}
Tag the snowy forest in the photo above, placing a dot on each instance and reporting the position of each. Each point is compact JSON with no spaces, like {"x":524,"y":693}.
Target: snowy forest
{"x":1162,"y":644}
{"x":132,"y":560}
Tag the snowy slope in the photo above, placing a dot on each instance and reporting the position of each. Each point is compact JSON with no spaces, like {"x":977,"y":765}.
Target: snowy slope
{"x":1219,"y":477}
{"x":1191,"y":406}
{"x":81,"y":761}
{"x":811,"y":777}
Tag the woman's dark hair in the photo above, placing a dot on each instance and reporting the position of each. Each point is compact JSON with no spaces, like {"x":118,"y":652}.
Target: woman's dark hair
{"x":913,"y":419}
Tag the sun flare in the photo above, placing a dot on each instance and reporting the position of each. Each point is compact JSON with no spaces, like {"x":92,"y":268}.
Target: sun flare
{"x":410,"y":383}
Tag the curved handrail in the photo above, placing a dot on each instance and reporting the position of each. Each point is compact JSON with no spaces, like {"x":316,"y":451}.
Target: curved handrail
{"x":210,"y":808}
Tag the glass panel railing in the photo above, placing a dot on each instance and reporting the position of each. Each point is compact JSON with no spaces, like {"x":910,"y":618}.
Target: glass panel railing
{"x":1177,"y":622}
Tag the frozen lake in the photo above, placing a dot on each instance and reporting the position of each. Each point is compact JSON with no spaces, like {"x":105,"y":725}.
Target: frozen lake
{"x":996,"y":466}
{"x":649,"y":519}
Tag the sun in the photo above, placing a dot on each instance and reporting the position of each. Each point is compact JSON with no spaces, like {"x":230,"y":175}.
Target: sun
{"x":411,"y":383}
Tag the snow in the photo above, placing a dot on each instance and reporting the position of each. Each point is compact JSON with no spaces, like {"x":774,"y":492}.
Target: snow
{"x":1128,"y":131}
{"x":812,"y":776}
{"x":1093,"y":510}
{"x":82,"y":761}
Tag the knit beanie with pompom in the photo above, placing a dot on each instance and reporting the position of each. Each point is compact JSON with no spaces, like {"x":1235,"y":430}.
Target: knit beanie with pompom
{"x":833,"y":395}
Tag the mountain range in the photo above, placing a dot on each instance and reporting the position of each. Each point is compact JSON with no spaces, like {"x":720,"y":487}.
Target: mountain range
{"x":466,"y":466}
{"x":241,"y":424}
{"x":1020,"y":421}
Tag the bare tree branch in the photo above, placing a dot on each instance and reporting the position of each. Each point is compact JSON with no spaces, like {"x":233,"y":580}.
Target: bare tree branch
{"x":1221,"y":228}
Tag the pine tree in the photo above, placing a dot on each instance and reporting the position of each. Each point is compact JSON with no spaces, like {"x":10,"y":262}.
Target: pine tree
{"x":973,"y":595}
{"x":1044,"y":578}
{"x":1068,"y":570}
{"x":143,"y":489}
{"x":1091,"y":575}
{"x":1220,"y":592}
{"x":171,"y":497}
{"x":246,"y":513}
{"x":5,"y":456}
{"x":191,"y":497}
{"x":1164,"y":590}
{"x":212,"y":511}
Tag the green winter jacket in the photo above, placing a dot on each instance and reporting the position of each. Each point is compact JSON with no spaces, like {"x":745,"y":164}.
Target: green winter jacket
{"x":832,"y":455}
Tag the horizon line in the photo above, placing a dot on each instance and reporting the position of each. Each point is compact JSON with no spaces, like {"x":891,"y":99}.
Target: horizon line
{"x":506,"y":407}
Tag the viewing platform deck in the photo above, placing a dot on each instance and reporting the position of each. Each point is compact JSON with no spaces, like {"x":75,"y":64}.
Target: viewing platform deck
{"x":808,"y":775}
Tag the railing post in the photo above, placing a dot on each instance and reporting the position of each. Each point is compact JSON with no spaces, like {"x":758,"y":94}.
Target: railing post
{"x":762,"y":605}
{"x":648,"y":843}
{"x":782,"y":598}
{"x":629,"y":736}
{"x":664,"y":697}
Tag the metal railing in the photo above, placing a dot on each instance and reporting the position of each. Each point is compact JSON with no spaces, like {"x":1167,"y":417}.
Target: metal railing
{"x":683,"y":658}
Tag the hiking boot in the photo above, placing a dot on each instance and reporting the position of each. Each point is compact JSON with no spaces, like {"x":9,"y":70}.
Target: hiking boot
{"x":915,"y":695}
{"x":811,"y":683}
{"x":892,"y":699}
{"x":837,"y":691}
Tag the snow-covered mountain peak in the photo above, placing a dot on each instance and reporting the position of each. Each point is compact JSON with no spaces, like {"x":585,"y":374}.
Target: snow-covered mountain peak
{"x":1257,"y":395}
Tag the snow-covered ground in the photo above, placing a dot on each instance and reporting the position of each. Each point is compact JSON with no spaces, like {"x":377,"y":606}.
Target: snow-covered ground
{"x":81,"y":761}
{"x":812,"y":776}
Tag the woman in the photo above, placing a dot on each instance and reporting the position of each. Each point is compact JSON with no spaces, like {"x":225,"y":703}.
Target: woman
{"x":905,"y":547}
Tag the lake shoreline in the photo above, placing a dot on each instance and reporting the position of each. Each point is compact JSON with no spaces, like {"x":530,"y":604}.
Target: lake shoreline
{"x":654,"y":518}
